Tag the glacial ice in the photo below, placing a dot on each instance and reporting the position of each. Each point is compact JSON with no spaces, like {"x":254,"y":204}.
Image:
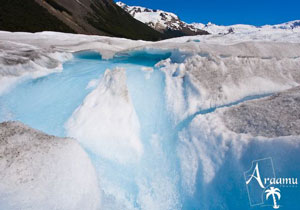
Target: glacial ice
{"x":108,"y":107}
{"x":207,"y":81}
{"x":213,"y":157}
{"x":22,"y":61}
{"x":39,"y":171}
{"x":275,"y":116}
{"x":165,"y":127}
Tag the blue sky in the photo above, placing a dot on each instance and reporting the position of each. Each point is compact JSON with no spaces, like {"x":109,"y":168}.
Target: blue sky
{"x":227,"y":12}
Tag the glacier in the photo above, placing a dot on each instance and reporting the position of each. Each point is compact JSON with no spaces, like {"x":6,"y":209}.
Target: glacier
{"x":161,"y":125}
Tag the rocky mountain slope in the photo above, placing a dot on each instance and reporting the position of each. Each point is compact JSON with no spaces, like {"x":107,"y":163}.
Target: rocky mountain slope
{"x":94,"y":17}
{"x":164,"y":22}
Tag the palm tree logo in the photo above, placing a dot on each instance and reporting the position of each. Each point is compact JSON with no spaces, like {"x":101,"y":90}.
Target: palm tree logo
{"x":274,"y":192}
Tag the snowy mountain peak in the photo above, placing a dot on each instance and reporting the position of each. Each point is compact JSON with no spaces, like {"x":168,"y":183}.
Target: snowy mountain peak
{"x":165,"y":22}
{"x":169,"y":22}
{"x":291,"y":25}
{"x":243,"y":28}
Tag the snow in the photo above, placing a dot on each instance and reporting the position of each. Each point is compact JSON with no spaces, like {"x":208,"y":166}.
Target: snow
{"x":219,"y":29}
{"x":108,"y":106}
{"x":292,"y":26}
{"x":146,"y":15}
{"x":157,"y":19}
{"x":162,"y":20}
{"x":39,"y":171}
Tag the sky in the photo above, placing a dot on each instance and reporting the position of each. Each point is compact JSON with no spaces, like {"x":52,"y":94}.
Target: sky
{"x":227,"y":12}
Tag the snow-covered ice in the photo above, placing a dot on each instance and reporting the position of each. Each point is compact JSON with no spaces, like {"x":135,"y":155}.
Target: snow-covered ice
{"x":207,"y":80}
{"x":274,"y":116}
{"x":20,"y":61}
{"x":215,"y":146}
{"x":39,"y":171}
{"x":167,"y":126}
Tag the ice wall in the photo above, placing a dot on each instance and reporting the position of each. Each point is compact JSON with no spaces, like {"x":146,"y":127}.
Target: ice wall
{"x":217,"y":147}
{"x":204,"y":81}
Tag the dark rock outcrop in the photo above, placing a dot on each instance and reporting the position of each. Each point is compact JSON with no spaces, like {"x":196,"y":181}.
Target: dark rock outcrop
{"x":93,"y":17}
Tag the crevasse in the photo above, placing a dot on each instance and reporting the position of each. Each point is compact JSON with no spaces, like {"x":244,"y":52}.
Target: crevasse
{"x":146,"y":155}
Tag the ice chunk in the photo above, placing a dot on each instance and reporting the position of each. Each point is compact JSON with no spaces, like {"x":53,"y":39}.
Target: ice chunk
{"x":106,"y":123}
{"x":38,"y":171}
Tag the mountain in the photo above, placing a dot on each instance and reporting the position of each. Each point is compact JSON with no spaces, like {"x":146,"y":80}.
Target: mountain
{"x":219,"y":29}
{"x":291,"y":25}
{"x":171,"y":25}
{"x":105,"y":17}
{"x":242,"y":28}
{"x":93,"y":17}
{"x":164,"y":22}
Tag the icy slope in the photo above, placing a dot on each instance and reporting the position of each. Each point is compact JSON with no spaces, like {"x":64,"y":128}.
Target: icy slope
{"x":39,"y":171}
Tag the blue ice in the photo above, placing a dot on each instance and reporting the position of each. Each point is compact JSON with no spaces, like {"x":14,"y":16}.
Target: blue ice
{"x":155,"y":182}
